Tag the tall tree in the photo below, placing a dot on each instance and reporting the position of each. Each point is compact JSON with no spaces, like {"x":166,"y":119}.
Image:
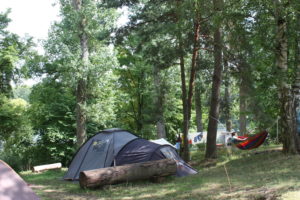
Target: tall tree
{"x":288,"y":128}
{"x":159,"y":102}
{"x":227,"y":97}
{"x":187,"y":93}
{"x":297,"y":68}
{"x":198,"y":99}
{"x":244,"y":91}
{"x":81,"y":90}
{"x":211,"y":150}
{"x":77,"y":50}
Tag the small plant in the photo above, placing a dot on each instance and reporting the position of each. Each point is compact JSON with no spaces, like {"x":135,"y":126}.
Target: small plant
{"x":201,"y":146}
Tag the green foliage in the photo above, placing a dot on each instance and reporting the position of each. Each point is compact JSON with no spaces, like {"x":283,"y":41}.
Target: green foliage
{"x":16,"y":134}
{"x":14,"y":122}
{"x":52,"y":115}
{"x":22,"y":92}
{"x":14,"y":51}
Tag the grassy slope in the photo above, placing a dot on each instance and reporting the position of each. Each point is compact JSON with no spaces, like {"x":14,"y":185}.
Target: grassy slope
{"x":257,"y":176}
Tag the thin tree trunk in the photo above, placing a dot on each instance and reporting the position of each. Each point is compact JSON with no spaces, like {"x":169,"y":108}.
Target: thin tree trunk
{"x":243,"y":105}
{"x":186,"y":153}
{"x":227,"y":103}
{"x":81,"y":84}
{"x":139,"y":120}
{"x":159,"y":99}
{"x":288,"y":129}
{"x":80,"y":112}
{"x":188,"y":95}
{"x":184,"y":102}
{"x":198,"y":102}
{"x":211,"y":150}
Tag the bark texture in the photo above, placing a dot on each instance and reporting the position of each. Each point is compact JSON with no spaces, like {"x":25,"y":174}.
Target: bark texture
{"x":159,"y":99}
{"x":227,"y":103}
{"x":187,"y":94}
{"x":211,"y":148}
{"x":81,"y":94}
{"x":296,"y":86}
{"x":198,"y":101}
{"x":288,"y":126}
{"x":138,"y":171}
{"x":243,"y":105}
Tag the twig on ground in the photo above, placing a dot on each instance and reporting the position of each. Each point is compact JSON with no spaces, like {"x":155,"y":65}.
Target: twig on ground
{"x":230,"y":188}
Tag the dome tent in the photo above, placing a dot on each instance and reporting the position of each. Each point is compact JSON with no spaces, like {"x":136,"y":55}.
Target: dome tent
{"x":119,"y":147}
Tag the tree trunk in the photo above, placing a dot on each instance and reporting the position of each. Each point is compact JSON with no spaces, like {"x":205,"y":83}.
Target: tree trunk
{"x":137,"y":171}
{"x":140,"y":106}
{"x":198,"y":102}
{"x":243,"y":105}
{"x":227,"y":103}
{"x":184,"y":104}
{"x":81,"y":84}
{"x":159,"y":103}
{"x":161,"y":128}
{"x":188,"y":95}
{"x":211,"y":150}
{"x":186,"y":153}
{"x":288,"y":129}
{"x":80,"y":112}
{"x":296,"y":86}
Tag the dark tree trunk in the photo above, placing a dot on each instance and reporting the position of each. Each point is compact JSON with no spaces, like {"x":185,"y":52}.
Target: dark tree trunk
{"x":198,"y":102}
{"x":227,"y":103}
{"x":211,"y":150}
{"x":81,"y":83}
{"x":243,"y":105}
{"x":188,"y":95}
{"x":297,"y":81}
{"x":186,"y":153}
{"x":288,"y":129}
{"x":185,"y":125}
{"x":159,"y":103}
{"x":184,"y":103}
{"x":80,"y":112}
{"x":140,"y":106}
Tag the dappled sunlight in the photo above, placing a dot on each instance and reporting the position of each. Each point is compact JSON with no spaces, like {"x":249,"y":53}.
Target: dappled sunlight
{"x":291,"y":195}
{"x":251,"y":176}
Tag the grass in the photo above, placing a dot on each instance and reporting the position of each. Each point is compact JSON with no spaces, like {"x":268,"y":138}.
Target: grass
{"x":260,"y":175}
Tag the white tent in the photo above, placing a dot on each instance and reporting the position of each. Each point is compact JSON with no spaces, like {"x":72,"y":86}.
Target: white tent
{"x":200,"y":137}
{"x":162,"y":141}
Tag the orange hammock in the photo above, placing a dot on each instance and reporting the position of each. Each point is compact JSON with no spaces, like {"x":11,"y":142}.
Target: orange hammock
{"x":250,"y":142}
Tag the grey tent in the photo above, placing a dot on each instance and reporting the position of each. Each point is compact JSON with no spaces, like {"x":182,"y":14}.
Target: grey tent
{"x":119,"y":147}
{"x":12,"y":186}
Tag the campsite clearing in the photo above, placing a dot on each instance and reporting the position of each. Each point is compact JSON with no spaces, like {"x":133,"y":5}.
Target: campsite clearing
{"x":253,"y":175}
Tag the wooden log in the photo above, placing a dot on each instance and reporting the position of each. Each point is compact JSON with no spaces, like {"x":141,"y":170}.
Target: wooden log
{"x":137,"y":171}
{"x":41,"y":168}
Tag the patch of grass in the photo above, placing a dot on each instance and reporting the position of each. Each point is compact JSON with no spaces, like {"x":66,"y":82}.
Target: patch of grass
{"x":261,"y":174}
